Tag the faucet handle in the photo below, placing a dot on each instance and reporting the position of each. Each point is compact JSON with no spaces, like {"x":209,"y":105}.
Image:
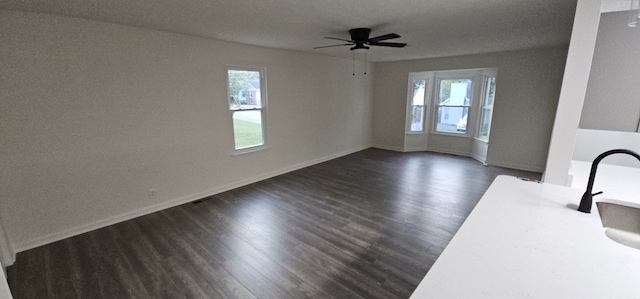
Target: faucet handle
{"x":597,"y":193}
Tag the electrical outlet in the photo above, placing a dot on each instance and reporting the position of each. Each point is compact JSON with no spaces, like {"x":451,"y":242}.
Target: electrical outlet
{"x":152,"y":193}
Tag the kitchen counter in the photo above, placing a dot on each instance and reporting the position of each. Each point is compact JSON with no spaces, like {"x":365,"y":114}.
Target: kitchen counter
{"x":526,"y":240}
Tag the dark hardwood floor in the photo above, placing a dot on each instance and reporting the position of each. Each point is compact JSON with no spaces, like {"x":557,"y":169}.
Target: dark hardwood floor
{"x":367,"y":225}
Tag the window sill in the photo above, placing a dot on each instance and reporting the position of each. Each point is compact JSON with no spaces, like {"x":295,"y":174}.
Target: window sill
{"x":450,"y":134}
{"x":248,"y":150}
{"x":483,"y":140}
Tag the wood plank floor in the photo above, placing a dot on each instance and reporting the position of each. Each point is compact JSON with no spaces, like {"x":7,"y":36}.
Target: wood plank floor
{"x":367,"y":225}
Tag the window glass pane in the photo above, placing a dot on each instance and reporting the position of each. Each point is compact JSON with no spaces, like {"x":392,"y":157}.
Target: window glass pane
{"x":418,"y":92}
{"x":247,"y":128}
{"x":244,"y":89}
{"x":491,"y":90}
{"x":485,"y":117}
{"x":485,"y":121}
{"x":417,"y":105}
{"x":453,"y":105}
{"x":454,"y":92}
{"x":417,"y":118}
{"x":452,"y":119}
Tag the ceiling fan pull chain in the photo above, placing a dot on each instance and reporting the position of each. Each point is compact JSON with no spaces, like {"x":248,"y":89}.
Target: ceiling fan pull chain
{"x":353,"y":65}
{"x":365,"y":64}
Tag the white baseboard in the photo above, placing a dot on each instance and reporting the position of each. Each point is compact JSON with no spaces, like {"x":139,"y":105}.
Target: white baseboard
{"x":463,"y":154}
{"x":389,"y":148}
{"x":449,"y":151}
{"x":479,"y":158}
{"x":524,"y":167}
{"x":415,"y":149}
{"x":400,"y":149}
{"x":57,"y":236}
{"x":421,"y":149}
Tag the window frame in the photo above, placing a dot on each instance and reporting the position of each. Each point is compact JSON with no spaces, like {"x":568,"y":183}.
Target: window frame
{"x":484,"y":106}
{"x":433,"y":81}
{"x":452,"y":75}
{"x":427,"y":77}
{"x":262,"y":109}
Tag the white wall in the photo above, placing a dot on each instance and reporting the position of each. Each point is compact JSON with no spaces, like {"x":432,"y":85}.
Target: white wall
{"x":93,"y":115}
{"x":574,"y":86}
{"x":591,"y":143}
{"x":528,"y":85}
{"x":612,"y":101}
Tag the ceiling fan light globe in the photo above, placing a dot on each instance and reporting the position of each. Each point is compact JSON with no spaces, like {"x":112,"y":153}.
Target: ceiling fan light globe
{"x":360,"y":49}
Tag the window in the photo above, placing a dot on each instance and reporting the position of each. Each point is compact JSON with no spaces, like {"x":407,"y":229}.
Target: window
{"x":247,"y":106}
{"x":417,"y":105}
{"x":487,"y":108}
{"x":452,"y":105}
{"x":449,"y":104}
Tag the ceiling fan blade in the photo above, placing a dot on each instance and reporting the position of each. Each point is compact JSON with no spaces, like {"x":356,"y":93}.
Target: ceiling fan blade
{"x":332,"y":46}
{"x":340,"y":39}
{"x":383,"y":44}
{"x":383,"y":37}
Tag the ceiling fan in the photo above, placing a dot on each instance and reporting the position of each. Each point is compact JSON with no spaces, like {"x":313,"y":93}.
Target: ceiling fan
{"x":360,"y":40}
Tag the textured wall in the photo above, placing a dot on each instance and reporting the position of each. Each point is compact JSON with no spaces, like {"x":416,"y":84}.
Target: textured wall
{"x":93,"y":115}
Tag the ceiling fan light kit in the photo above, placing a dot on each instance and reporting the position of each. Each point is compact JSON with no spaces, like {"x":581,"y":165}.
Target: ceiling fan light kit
{"x":361,"y":42}
{"x":359,"y":49}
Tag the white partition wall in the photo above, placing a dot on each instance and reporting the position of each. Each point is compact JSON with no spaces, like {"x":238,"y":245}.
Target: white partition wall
{"x":7,"y":256}
{"x":574,"y":88}
{"x":591,"y":143}
{"x":4,"y":286}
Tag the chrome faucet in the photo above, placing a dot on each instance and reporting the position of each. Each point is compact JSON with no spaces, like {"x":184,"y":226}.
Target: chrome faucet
{"x":587,"y":197}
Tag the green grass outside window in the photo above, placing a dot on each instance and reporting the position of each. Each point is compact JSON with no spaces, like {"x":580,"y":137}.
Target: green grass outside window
{"x":247,"y":133}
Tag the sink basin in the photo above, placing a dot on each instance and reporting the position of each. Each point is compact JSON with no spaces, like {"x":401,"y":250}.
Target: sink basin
{"x":621,"y":223}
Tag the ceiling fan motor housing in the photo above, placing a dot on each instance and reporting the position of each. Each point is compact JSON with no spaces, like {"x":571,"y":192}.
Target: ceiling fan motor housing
{"x":360,"y":34}
{"x":359,"y":37}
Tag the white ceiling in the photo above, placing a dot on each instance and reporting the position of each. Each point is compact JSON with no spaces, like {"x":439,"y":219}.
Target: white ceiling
{"x":432,"y":28}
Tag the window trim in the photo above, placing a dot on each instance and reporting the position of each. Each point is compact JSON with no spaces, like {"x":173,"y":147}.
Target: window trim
{"x":262,"y":109}
{"x":428,"y":77}
{"x":486,"y":75}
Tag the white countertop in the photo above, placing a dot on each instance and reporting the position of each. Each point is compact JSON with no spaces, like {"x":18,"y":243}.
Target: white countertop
{"x":526,"y":240}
